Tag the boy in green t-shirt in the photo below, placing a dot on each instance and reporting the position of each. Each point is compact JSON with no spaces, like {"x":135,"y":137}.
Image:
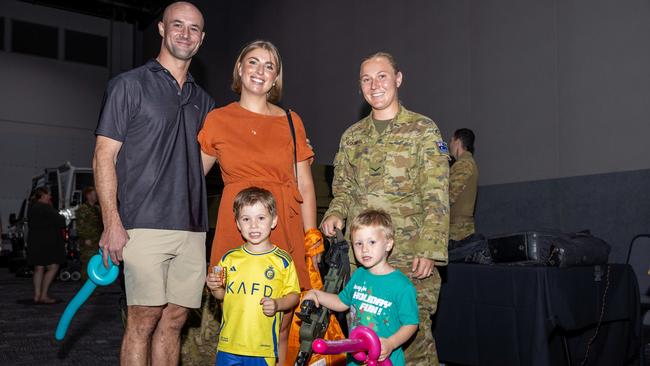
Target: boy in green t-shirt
{"x":260,"y":283}
{"x":378,"y":296}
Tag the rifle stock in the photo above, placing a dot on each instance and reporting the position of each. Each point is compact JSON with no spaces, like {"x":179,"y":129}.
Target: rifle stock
{"x":316,"y":320}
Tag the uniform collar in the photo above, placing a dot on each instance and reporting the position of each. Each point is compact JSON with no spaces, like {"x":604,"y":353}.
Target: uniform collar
{"x":465,"y":155}
{"x":155,"y":66}
{"x":394,"y":121}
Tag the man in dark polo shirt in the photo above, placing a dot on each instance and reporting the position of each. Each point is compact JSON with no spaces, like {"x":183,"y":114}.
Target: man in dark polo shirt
{"x":151,"y":188}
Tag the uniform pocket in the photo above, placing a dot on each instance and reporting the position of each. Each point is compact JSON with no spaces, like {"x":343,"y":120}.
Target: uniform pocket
{"x":400,"y":167}
{"x":356,"y":156}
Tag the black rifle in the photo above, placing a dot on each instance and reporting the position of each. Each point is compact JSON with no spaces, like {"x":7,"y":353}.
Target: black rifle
{"x":316,"y":320}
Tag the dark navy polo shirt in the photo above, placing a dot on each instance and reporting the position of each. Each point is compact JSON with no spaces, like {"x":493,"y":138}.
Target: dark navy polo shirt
{"x":159,"y":171}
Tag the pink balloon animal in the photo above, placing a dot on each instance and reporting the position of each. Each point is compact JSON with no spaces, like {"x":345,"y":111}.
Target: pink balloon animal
{"x":363,"y":343}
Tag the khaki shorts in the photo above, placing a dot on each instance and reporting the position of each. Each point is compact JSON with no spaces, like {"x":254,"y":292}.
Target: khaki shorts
{"x":164,"y":266}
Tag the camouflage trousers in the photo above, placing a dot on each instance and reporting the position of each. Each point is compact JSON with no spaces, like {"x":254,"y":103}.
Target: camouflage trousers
{"x":200,"y":335}
{"x":85,"y":253}
{"x":421,"y":350}
{"x":460,"y":230}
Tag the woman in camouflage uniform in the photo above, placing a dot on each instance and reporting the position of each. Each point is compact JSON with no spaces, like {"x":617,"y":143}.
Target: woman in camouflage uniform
{"x":397,"y":161}
{"x":89,"y":228}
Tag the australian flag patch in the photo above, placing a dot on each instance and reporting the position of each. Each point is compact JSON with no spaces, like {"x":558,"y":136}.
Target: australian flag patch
{"x":442,"y":146}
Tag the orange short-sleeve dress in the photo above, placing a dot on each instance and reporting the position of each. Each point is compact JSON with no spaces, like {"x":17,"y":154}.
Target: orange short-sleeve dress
{"x":257,"y":150}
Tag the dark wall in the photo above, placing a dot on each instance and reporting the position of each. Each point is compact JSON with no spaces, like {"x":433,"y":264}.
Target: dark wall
{"x":553,"y":88}
{"x":614,"y":207}
{"x":557,"y":91}
{"x":322,"y":44}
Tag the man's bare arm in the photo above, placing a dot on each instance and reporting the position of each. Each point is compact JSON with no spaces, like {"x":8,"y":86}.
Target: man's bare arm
{"x":114,"y":237}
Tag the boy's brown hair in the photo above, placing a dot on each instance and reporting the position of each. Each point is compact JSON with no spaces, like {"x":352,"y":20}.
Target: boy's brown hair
{"x":252,"y":195}
{"x":374,"y":218}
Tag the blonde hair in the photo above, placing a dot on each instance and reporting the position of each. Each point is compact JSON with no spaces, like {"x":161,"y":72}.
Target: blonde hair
{"x":386,"y":55}
{"x":373,"y":218}
{"x":275,"y":94}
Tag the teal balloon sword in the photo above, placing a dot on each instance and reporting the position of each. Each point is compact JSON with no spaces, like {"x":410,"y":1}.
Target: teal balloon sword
{"x":98,"y":275}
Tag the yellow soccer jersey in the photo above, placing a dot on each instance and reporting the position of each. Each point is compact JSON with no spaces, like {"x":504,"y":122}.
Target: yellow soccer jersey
{"x":245,"y":330}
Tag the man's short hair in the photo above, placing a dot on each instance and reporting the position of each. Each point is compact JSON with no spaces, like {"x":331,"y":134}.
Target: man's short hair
{"x":466,"y":137}
{"x":252,"y":195}
{"x":373,"y":218}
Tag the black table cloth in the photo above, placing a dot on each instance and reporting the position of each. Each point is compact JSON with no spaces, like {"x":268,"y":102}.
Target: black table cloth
{"x":520,"y":315}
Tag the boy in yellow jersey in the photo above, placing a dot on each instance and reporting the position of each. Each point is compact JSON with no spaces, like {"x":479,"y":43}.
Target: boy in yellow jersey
{"x":260,"y":284}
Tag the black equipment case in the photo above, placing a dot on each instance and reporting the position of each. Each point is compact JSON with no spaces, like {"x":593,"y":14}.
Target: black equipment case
{"x":549,"y":248}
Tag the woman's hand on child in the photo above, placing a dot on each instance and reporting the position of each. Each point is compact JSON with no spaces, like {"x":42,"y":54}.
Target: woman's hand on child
{"x":386,"y":348}
{"x":269,"y":306}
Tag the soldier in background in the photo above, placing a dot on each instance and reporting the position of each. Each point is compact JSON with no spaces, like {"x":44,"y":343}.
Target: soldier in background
{"x":463,"y":184}
{"x":89,"y":228}
{"x":395,"y":160}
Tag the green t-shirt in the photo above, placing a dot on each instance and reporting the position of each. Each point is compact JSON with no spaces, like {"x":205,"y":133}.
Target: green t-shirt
{"x":380,"y":125}
{"x":383,"y":303}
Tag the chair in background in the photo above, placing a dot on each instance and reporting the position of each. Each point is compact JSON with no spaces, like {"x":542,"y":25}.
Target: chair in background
{"x":638,"y":256}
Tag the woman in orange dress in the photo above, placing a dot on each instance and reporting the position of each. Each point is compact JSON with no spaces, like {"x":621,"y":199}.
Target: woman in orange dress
{"x":252,"y":142}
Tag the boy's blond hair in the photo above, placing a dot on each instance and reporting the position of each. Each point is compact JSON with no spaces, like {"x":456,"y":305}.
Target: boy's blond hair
{"x":252,"y":195}
{"x":373,"y":218}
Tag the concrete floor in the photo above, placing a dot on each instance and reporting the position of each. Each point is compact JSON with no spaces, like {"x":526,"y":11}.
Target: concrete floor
{"x":27,"y":330}
{"x":94,"y":336}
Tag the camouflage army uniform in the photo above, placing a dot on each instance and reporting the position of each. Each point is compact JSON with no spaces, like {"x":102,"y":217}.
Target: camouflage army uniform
{"x":89,"y":227}
{"x":404,"y":171}
{"x":463,"y":182}
{"x":200,"y":333}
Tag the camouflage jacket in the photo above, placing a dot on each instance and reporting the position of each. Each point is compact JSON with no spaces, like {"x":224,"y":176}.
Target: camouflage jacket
{"x":463,"y":182}
{"x":404,"y":171}
{"x":89,"y":223}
